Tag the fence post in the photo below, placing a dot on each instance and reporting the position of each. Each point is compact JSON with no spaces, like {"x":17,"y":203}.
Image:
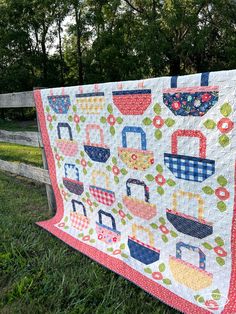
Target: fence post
{"x":49,"y":190}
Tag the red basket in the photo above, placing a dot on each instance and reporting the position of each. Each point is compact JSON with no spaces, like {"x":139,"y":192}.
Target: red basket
{"x":132,"y":102}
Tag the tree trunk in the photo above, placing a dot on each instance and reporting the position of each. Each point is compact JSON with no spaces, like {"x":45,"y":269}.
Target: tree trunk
{"x":61,"y":53}
{"x":45,"y":57}
{"x":79,"y":49}
{"x":175,"y":65}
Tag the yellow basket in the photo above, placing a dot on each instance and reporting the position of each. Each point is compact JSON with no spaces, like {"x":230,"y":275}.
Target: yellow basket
{"x":91,"y":103}
{"x":193,"y":277}
{"x":137,"y":159}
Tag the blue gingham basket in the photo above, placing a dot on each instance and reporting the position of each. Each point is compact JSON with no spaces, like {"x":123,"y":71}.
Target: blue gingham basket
{"x":189,"y":168}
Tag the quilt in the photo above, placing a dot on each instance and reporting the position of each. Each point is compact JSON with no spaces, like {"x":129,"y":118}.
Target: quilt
{"x":144,"y":178}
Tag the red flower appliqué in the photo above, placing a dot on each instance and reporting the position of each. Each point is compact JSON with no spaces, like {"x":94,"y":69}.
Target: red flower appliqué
{"x":158,"y":122}
{"x":83,"y":162}
{"x":86,"y":238}
{"x":222,"y":193}
{"x":49,"y":118}
{"x":212,"y":305}
{"x":115,"y":170}
{"x":157,"y":276}
{"x":57,"y":157}
{"x":164,"y":229}
{"x":220,"y":251}
{"x":225,"y":125}
{"x":76,"y":118}
{"x":111,"y":119}
{"x":160,"y":180}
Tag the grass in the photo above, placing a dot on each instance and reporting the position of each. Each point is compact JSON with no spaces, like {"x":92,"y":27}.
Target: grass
{"x":25,"y":154}
{"x":41,"y":274}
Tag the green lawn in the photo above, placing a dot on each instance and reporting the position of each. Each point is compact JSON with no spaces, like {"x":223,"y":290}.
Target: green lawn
{"x":41,"y":274}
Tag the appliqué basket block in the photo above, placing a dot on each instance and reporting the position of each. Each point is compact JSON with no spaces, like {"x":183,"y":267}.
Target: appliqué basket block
{"x":189,"y":275}
{"x":188,"y":225}
{"x":139,"y":208}
{"x":67,"y":146}
{"x":59,"y":103}
{"x":73,"y":184}
{"x":189,"y":168}
{"x":132,"y":102}
{"x":78,"y":220}
{"x":97,"y":152}
{"x":91,"y":103}
{"x":137,"y":159}
{"x":103,"y":196}
{"x":193,"y":101}
{"x":143,"y":252}
{"x":195,"y":278}
{"x":105,"y":233}
{"x":195,"y":227}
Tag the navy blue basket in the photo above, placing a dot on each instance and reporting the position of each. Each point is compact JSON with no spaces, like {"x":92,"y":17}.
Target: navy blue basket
{"x":97,"y":152}
{"x":142,"y":252}
{"x":191,"y":101}
{"x":189,"y":168}
{"x":59,"y":103}
{"x":186,"y":224}
{"x":73,"y":185}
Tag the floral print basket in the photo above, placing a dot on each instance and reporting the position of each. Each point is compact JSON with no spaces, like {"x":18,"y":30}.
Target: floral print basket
{"x":193,"y":101}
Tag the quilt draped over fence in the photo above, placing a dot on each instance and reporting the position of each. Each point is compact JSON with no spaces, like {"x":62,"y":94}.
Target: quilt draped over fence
{"x":144,"y":178}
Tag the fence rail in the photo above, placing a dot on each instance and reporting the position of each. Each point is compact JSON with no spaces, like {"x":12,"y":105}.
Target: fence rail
{"x":22,"y":100}
{"x":17,"y":100}
{"x":23,"y":170}
{"x":22,"y":138}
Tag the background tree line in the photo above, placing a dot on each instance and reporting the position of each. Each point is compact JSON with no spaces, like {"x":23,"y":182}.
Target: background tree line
{"x":66,"y":42}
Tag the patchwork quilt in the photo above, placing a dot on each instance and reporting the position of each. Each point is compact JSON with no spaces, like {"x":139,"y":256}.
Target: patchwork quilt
{"x":144,"y":178}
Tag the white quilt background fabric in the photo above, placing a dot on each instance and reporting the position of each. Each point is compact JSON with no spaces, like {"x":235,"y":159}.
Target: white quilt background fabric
{"x":207,"y":288}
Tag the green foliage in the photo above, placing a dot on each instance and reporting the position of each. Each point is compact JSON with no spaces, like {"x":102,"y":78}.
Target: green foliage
{"x":226,"y":109}
{"x":208,"y":190}
{"x":108,"y":42}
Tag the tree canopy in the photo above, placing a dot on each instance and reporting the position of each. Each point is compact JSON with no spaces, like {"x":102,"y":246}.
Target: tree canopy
{"x":64,"y":42}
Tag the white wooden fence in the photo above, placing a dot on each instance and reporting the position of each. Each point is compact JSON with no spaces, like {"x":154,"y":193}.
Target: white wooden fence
{"x":22,"y":100}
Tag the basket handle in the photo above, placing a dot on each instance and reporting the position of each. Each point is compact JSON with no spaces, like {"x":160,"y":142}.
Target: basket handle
{"x":101,"y":213}
{"x":141,"y":84}
{"x":74,"y":202}
{"x":137,"y":182}
{"x":62,"y":91}
{"x":71,"y":166}
{"x":188,"y":133}
{"x":190,"y":195}
{"x":96,"y":88}
{"x":64,"y":125}
{"x":135,"y":228}
{"x":97,"y":173}
{"x":90,"y":127}
{"x":134,"y":129}
{"x":202,"y":256}
{"x":204,"y":80}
